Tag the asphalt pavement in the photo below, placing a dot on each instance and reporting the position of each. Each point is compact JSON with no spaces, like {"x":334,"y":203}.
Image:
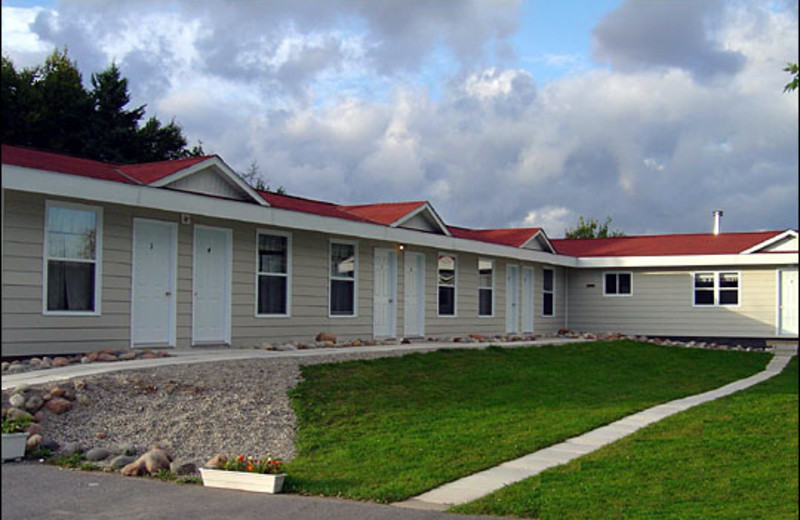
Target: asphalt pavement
{"x":32,"y":490}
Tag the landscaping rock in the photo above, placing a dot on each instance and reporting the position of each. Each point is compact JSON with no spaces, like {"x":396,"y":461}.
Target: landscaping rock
{"x":120,"y":461}
{"x":325,"y":336}
{"x":107,"y":357}
{"x":71,"y":448}
{"x":33,"y":403}
{"x":58,"y":405}
{"x":16,"y":413}
{"x":34,"y":441}
{"x":151,"y":462}
{"x":57,"y":392}
{"x":126,"y":449}
{"x":97,"y":454}
{"x":217,"y":461}
{"x":17,"y":400}
{"x":50,"y":444}
{"x":60,"y":362}
{"x":127,"y":356}
{"x":183,"y":468}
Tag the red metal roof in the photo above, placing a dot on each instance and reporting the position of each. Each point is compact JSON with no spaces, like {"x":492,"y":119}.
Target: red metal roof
{"x":384,"y":213}
{"x":514,"y":237}
{"x":151,"y":172}
{"x":315,"y":207}
{"x":143,"y":173}
{"x":663,"y":245}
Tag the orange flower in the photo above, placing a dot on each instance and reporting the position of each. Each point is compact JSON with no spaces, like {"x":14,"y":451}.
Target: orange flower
{"x":240,"y":458}
{"x":249,"y":467}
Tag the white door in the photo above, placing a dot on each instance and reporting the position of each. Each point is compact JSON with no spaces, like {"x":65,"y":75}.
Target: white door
{"x":788,"y":302}
{"x":414,"y":301}
{"x":512,"y":298}
{"x":383,"y":307}
{"x":153,"y":284}
{"x":212,"y":268}
{"x":527,"y":299}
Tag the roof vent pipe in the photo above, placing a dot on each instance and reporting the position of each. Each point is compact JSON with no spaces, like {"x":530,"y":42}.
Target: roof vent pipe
{"x":717,"y":217}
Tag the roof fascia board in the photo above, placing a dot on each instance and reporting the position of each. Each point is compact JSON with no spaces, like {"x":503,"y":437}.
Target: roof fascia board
{"x":546,"y":241}
{"x":687,"y":260}
{"x":770,"y":241}
{"x":224,"y":168}
{"x":424,"y":207}
{"x":56,"y":184}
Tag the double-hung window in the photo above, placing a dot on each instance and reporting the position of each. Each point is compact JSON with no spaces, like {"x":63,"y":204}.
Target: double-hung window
{"x":548,"y":292}
{"x":485,"y":287}
{"x":617,"y":284}
{"x":343,"y":269}
{"x":447,"y":284}
{"x":72,"y":258}
{"x":274,"y":279}
{"x":716,"y":289}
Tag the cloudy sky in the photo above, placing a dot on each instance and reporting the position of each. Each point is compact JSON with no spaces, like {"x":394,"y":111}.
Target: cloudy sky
{"x":500,"y":113}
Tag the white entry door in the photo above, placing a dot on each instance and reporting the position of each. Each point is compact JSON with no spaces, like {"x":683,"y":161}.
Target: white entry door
{"x":153,"y":285}
{"x":788,"y":302}
{"x":512,"y":298}
{"x":414,"y":289}
{"x":384,"y":316}
{"x":212,"y":281}
{"x":527,"y":299}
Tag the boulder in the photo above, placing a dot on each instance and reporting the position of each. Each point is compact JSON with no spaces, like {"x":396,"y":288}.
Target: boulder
{"x":126,"y":449}
{"x":60,"y":362}
{"x":58,"y":405}
{"x":120,"y":461}
{"x":183,"y":468}
{"x":217,"y":461}
{"x":127,"y":356}
{"x":71,"y":448}
{"x":17,"y":400}
{"x":107,"y":357}
{"x":97,"y":454}
{"x":33,"y":403}
{"x":17,"y":413}
{"x":325,"y":336}
{"x":34,"y":441}
{"x":151,"y":462}
{"x":57,"y":392}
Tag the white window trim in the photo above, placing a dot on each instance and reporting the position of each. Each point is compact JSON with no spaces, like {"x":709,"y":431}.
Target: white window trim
{"x":716,"y":290}
{"x":552,"y":291}
{"x":617,"y":294}
{"x":287,"y":275}
{"x":455,"y":286}
{"x":98,"y":259}
{"x":492,"y":288}
{"x":353,"y":243}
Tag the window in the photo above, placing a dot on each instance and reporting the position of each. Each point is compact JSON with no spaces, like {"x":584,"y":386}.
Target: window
{"x":617,"y":284}
{"x":273,"y":265}
{"x":548,"y":292}
{"x":72,"y":258}
{"x":447,"y":285}
{"x":715,"y":289}
{"x":343,"y":268}
{"x":485,"y":287}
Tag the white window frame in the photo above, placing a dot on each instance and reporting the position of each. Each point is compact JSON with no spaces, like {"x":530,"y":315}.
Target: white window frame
{"x":492,"y":288}
{"x":716,"y":289}
{"x":455,"y":285}
{"x":551,"y":291}
{"x":287,"y":275}
{"x":98,"y":258}
{"x":616,"y":280}
{"x":331,"y":278}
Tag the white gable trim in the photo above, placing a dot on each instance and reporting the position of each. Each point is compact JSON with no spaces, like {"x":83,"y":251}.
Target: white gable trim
{"x":427,"y":208}
{"x":789,"y":233}
{"x":537,"y":235}
{"x":229,"y":174}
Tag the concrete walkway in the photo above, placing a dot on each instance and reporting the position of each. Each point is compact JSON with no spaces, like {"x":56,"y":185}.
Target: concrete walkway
{"x":183,"y":357}
{"x":480,"y":484}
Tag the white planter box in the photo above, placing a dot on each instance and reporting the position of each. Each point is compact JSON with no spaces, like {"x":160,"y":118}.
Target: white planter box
{"x":242,"y":480}
{"x":14,"y":445}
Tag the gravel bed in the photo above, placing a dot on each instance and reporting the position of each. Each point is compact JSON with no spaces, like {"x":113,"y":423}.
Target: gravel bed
{"x":194,"y":410}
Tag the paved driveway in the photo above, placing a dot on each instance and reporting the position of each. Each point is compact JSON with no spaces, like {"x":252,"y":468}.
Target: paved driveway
{"x":32,"y":490}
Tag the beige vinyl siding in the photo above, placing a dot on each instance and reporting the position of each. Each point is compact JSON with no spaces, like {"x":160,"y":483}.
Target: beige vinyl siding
{"x":26,"y":329}
{"x":662,"y":304}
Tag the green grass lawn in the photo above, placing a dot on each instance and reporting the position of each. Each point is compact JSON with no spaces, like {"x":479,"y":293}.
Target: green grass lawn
{"x":734,"y":458}
{"x":388,"y":429}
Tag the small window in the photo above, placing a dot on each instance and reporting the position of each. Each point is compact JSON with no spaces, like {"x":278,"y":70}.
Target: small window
{"x":716,"y":289}
{"x":548,"y":292}
{"x":447,"y":285}
{"x":273,"y":275}
{"x":72,"y":258}
{"x":343,"y":268}
{"x":617,"y":284}
{"x":485,"y":287}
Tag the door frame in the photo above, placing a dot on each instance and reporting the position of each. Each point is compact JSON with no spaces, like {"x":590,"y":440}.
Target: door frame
{"x":779,"y":303}
{"x":173,"y":280}
{"x":228,"y":283}
{"x":392,"y":256}
{"x":419,"y":259}
{"x":529,"y":301}
{"x":511,"y":303}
